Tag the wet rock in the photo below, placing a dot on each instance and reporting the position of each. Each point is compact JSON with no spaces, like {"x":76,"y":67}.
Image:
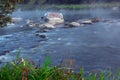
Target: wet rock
{"x":72,"y":24}
{"x":10,"y":24}
{"x":53,"y":18}
{"x":56,"y":21}
{"x":96,"y":19}
{"x":7,"y":51}
{"x":44,"y":30}
{"x":40,"y":35}
{"x":16,"y":20}
{"x":115,"y":8}
{"x":86,"y":22}
{"x":46,"y":25}
{"x":5,"y":58}
{"x":31,"y":23}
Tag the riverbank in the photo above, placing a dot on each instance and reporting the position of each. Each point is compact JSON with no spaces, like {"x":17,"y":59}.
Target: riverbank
{"x":22,"y":69}
{"x":71,"y":6}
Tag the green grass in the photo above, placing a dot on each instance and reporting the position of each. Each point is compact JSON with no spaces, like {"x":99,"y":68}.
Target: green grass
{"x":71,"y":6}
{"x":21,"y":69}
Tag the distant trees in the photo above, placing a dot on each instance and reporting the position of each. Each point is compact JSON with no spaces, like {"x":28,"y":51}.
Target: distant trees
{"x":77,"y":1}
{"x":34,"y":2}
{"x":65,"y":1}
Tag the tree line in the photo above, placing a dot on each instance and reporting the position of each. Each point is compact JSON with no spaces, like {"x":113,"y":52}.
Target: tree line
{"x":66,"y":1}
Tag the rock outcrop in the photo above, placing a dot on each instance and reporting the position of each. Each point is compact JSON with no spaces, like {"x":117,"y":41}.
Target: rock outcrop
{"x":53,"y":18}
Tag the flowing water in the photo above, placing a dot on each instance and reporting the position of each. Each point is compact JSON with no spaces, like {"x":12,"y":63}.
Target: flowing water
{"x":95,"y":46}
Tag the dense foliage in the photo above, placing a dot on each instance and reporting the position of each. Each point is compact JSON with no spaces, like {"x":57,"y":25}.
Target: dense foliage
{"x":6,"y":8}
{"x":21,"y":69}
{"x":66,"y":1}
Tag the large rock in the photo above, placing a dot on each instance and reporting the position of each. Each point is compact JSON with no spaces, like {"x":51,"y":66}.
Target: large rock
{"x":53,"y":18}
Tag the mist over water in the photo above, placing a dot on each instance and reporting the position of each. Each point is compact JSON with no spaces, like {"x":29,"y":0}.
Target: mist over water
{"x":71,"y":14}
{"x":95,"y":46}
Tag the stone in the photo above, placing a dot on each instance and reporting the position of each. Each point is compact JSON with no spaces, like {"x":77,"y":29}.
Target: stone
{"x":42,"y":36}
{"x":96,"y":19}
{"x":15,"y":19}
{"x":115,"y":8}
{"x":74,"y":24}
{"x":31,"y":23}
{"x":55,"y":21}
{"x":86,"y":22}
{"x":53,"y":18}
{"x":10,"y":24}
{"x":46,"y":25}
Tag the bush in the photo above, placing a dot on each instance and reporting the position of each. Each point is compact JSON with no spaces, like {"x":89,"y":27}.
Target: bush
{"x":21,"y":69}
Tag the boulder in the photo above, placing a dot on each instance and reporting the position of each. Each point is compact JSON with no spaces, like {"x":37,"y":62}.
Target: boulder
{"x":55,"y":21}
{"x":53,"y":18}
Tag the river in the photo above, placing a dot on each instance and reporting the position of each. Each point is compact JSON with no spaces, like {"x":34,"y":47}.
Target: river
{"x":95,"y":46}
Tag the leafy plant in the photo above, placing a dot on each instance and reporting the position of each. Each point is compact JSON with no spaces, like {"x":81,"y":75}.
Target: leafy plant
{"x":22,"y":69}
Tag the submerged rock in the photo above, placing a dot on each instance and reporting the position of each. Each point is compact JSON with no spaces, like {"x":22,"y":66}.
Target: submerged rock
{"x":42,"y":36}
{"x":96,"y":19}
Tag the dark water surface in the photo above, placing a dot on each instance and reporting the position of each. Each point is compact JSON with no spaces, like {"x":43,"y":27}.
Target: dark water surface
{"x":95,"y":46}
